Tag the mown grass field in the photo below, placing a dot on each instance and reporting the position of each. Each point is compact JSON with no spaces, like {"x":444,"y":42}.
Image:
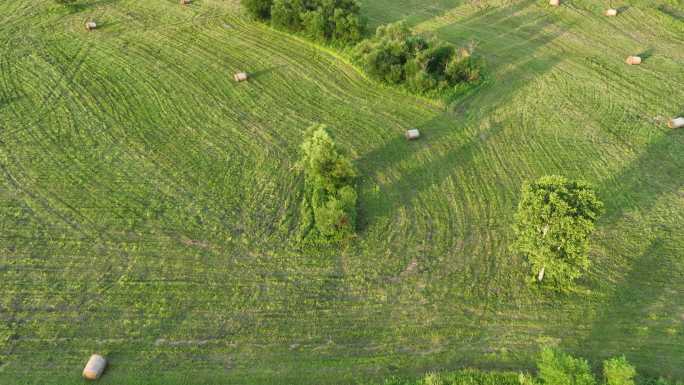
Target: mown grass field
{"x":148,"y":204}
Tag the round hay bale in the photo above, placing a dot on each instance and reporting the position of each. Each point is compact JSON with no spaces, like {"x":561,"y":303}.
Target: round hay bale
{"x":412,"y":134}
{"x":611,"y":12}
{"x":90,"y":25}
{"x":94,"y":368}
{"x":241,"y":77}
{"x":676,"y":122}
{"x":554,"y":3}
{"x":633,"y":60}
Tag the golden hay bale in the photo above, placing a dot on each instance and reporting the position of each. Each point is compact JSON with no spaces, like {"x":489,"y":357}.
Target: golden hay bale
{"x":241,"y":76}
{"x":412,"y":134}
{"x":676,"y":122}
{"x":90,"y":25}
{"x":540,"y":276}
{"x":554,"y":3}
{"x":94,"y":368}
{"x":633,"y":60}
{"x":611,"y":12}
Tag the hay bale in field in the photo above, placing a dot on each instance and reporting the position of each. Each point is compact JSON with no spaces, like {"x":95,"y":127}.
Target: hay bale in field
{"x":241,"y":77}
{"x":676,"y":122}
{"x":554,"y":3}
{"x":611,"y":12}
{"x":94,"y":368}
{"x":540,"y":276}
{"x":412,"y":134}
{"x":90,"y":25}
{"x":633,"y":60}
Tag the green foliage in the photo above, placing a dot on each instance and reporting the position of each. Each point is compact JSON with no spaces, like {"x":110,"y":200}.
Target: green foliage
{"x":558,"y":368}
{"x":397,"y":56}
{"x":554,"y":220}
{"x":259,"y":9}
{"x":336,"y":21}
{"x":329,"y":206}
{"x":618,"y":371}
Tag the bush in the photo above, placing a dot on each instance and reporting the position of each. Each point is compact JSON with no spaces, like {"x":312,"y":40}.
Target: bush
{"x":259,"y":9}
{"x":329,"y":207}
{"x":554,"y":220}
{"x":617,"y":371}
{"x":396,"y":56}
{"x":336,"y":21}
{"x":558,"y":368}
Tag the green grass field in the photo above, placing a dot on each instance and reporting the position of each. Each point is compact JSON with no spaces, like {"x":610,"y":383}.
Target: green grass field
{"x":149,"y":204}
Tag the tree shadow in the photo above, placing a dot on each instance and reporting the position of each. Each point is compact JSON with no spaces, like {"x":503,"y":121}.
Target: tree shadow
{"x":624,"y":325}
{"x":672,"y":12}
{"x":656,"y":172}
{"x":78,"y":7}
{"x":638,"y":319}
{"x":515,"y":66}
{"x":421,"y":10}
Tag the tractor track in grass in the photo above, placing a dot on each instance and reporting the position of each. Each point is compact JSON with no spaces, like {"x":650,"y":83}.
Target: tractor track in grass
{"x":181,"y":186}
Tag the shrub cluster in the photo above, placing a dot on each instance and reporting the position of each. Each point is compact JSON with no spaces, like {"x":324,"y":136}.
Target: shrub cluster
{"x":329,"y":207}
{"x":554,"y":220}
{"x":396,"y":55}
{"x":334,"y":21}
{"x":554,"y":367}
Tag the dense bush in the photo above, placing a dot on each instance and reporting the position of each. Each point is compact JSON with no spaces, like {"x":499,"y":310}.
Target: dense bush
{"x":558,"y":368}
{"x":554,"y":220}
{"x":336,"y":21}
{"x":259,"y":9}
{"x":617,"y":371}
{"x":554,"y":368}
{"x":397,"y":56}
{"x":329,"y":207}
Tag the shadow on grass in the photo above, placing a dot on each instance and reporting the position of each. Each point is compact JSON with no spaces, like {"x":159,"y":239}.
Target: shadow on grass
{"x":516,"y":68}
{"x":653,"y":285}
{"x":379,"y":12}
{"x":656,"y":172}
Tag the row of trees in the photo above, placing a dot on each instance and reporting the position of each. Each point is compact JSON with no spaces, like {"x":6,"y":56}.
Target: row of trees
{"x":395,"y":55}
{"x":331,"y":21}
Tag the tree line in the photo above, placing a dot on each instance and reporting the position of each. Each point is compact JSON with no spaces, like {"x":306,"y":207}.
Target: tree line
{"x":394,"y":54}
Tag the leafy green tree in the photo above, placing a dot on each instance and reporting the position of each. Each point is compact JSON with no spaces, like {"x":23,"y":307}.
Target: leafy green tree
{"x":287,"y":14}
{"x":336,"y":21}
{"x":397,"y":56}
{"x":558,"y":368}
{"x":259,"y":9}
{"x":329,"y":207}
{"x":554,"y":220}
{"x":618,"y":371}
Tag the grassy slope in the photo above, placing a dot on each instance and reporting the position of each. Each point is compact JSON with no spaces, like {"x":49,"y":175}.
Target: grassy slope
{"x":147,"y":202}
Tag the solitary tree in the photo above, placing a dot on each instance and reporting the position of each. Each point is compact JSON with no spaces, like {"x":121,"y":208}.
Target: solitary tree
{"x":329,"y":207}
{"x":554,"y":220}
